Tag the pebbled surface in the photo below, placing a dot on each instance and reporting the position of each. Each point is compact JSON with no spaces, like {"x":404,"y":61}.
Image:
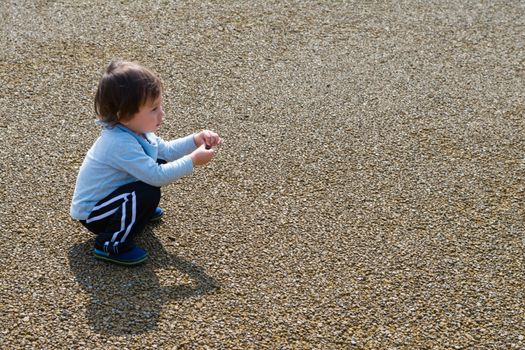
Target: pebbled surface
{"x":369,"y":193}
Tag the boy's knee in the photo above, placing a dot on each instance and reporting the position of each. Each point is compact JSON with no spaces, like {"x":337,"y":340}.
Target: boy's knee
{"x":149,"y":193}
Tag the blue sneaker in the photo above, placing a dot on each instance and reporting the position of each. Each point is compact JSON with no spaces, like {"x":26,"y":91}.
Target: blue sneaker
{"x":134,"y":256}
{"x":159,"y":213}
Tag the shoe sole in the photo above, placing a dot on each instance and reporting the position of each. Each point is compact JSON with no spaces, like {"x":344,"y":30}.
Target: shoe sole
{"x":121,"y":262}
{"x":156,"y":218}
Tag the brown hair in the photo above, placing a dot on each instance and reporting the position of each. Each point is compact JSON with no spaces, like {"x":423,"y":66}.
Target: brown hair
{"x":123,"y":89}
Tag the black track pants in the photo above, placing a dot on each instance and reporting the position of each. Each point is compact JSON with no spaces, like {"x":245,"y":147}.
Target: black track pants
{"x":125,"y":212}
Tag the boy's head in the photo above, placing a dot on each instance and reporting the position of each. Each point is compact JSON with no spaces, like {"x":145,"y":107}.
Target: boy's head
{"x":124,"y":88}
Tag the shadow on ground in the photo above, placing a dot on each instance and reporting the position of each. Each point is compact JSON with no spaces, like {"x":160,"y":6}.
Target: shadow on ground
{"x":128,"y":300}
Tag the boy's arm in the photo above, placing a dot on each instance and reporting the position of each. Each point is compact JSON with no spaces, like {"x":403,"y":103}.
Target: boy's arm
{"x":176,"y":149}
{"x":142,"y":167}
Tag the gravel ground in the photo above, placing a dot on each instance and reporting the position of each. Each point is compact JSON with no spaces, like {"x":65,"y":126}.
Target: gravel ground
{"x":368,"y":195}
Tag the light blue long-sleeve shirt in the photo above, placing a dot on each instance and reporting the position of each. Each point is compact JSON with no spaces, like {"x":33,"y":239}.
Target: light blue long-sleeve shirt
{"x":120,"y":156}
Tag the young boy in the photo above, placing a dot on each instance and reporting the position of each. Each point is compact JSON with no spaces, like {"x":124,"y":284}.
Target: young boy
{"x":118,"y":185}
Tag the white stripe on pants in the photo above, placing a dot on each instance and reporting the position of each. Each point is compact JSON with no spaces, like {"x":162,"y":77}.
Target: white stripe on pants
{"x":126,"y":229}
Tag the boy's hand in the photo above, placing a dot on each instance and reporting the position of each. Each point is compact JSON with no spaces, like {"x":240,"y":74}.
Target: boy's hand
{"x":208,"y":138}
{"x":201,"y":155}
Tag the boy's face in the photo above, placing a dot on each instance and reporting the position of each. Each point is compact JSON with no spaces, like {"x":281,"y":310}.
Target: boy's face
{"x":148,"y":118}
